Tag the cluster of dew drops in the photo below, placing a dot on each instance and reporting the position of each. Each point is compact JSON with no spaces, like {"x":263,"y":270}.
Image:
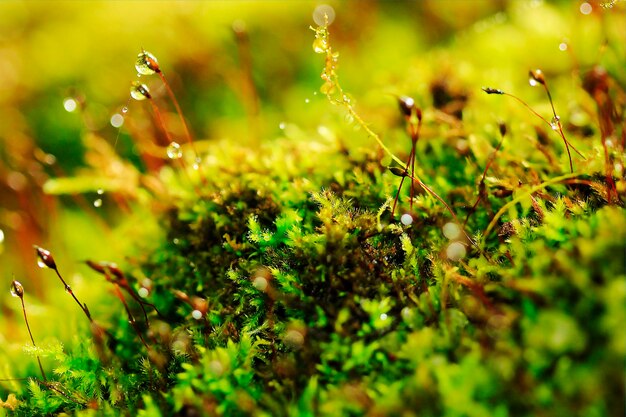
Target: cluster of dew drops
{"x":146,"y":64}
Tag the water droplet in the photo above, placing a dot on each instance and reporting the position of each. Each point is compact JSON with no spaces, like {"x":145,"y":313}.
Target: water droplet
{"x":383,"y":316}
{"x":406,"y":219}
{"x":196,"y":314}
{"x":562,"y":46}
{"x":139,"y":91}
{"x":407,"y":314}
{"x":328,"y":87}
{"x":124,"y":110}
{"x":49,"y":159}
{"x":143,"y":292}
{"x":306,"y":101}
{"x":174,"y":151}
{"x":586,"y":8}
{"x":282,"y":125}
{"x":555,"y":123}
{"x":97,"y":202}
{"x":532,"y":82}
{"x":216,"y":368}
{"x":16,"y":289}
{"x":69,"y":104}
{"x":41,"y":264}
{"x":1,"y":235}
{"x":349,"y":119}
{"x":462,"y":145}
{"x":323,"y":15}
{"x":260,"y":283}
{"x":146,"y":63}
{"x":320,"y":45}
{"x":100,"y":191}
{"x":294,"y":338}
{"x":456,"y":251}
{"x":451,"y":230}
{"x":117,"y":120}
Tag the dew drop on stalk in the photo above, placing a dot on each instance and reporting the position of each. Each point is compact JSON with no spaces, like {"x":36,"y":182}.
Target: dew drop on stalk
{"x":16,"y":289}
{"x":100,"y":191}
{"x":139,"y":91}
{"x":406,"y":219}
{"x":383,"y":316}
{"x":174,"y":151}
{"x":69,"y":104}
{"x":124,"y":110}
{"x":451,"y":230}
{"x":282,"y":125}
{"x":320,"y":45}
{"x":97,"y":202}
{"x":1,"y":235}
{"x":563,"y":46}
{"x":143,"y":292}
{"x":294,"y":338}
{"x":117,"y":120}
{"x":532,"y":82}
{"x":323,"y":15}
{"x":146,"y":64}
{"x":196,"y":314}
{"x":260,"y":283}
{"x":554,"y":123}
{"x":216,"y":367}
{"x":456,"y":251}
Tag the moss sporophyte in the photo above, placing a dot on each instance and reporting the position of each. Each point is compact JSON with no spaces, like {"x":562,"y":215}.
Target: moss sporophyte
{"x":294,"y":275}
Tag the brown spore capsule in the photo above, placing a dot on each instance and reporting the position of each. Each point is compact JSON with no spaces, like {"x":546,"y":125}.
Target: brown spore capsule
{"x":406,"y":104}
{"x":45,"y":259}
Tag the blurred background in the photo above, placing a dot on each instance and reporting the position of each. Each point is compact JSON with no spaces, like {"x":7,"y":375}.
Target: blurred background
{"x":241,"y":71}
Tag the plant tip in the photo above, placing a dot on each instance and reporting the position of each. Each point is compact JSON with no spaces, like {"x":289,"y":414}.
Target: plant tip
{"x":502,"y":127}
{"x":139,"y":91}
{"x":146,"y":63}
{"x":397,"y":171}
{"x":45,"y":259}
{"x":17,"y":290}
{"x":490,"y":90}
{"x":536,"y":77}
{"x":407,"y":104}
